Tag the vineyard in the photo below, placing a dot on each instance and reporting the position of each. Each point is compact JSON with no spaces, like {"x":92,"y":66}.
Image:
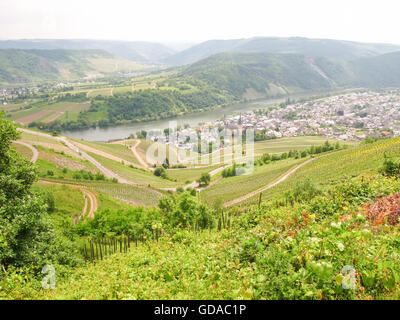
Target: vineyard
{"x":337,"y":209}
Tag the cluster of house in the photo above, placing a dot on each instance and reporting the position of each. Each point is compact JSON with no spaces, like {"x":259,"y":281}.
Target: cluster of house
{"x":7,"y":94}
{"x":352,"y":116}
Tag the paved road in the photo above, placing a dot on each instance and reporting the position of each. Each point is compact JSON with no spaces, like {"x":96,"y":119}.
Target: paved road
{"x":107,"y":173}
{"x":33,"y":149}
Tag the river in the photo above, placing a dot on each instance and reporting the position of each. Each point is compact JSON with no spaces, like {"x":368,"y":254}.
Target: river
{"x":193,"y":119}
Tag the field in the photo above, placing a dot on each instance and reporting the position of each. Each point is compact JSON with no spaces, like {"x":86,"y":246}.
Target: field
{"x":129,"y":194}
{"x":233,"y":187}
{"x":23,"y":151}
{"x":293,"y":143}
{"x":47,"y":112}
{"x":363,"y":160}
{"x":119,"y":150}
{"x":135,"y":175}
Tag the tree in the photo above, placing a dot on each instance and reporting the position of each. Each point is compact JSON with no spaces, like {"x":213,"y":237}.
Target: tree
{"x":26,"y":234}
{"x":390,"y":168}
{"x":166,"y":163}
{"x":158,"y":172}
{"x":204,"y":179}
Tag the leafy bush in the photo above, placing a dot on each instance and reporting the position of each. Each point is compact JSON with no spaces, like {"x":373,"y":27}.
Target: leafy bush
{"x":184,"y":211}
{"x":27,"y":237}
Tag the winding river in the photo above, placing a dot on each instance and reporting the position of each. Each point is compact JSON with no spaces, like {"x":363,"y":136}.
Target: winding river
{"x":123,"y":131}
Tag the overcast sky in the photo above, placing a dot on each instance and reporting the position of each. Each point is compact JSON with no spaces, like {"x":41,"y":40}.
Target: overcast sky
{"x":194,"y":21}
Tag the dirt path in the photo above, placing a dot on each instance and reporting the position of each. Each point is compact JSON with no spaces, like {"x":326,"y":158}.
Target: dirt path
{"x":280,"y":180}
{"x":32,"y":148}
{"x":87,"y":194}
{"x":107,"y":173}
{"x":139,"y":158}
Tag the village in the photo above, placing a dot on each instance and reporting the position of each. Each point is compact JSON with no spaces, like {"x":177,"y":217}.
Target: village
{"x":352,"y":116}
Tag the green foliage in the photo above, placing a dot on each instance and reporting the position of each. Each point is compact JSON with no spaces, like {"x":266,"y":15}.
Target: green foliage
{"x":134,"y":222}
{"x":205,"y":179}
{"x":390,"y":168}
{"x":300,"y":253}
{"x":229,"y":172}
{"x":27,"y":237}
{"x":184,"y":211}
{"x":303,"y":191}
{"x":159,"y":172}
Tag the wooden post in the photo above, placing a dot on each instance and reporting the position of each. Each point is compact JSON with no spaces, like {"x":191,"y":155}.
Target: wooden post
{"x":101,"y":253}
{"x":86,"y":255}
{"x":259,"y":200}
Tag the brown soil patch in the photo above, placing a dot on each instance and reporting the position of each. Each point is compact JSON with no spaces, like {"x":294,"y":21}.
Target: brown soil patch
{"x":63,"y":162}
{"x":53,"y":117}
{"x":384,"y":209}
{"x":33,"y":117}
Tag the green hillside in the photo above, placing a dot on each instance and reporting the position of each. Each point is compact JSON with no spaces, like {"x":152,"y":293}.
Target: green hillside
{"x":236,"y":73}
{"x":292,"y":245}
{"x":35,"y":66}
{"x":225,"y":78}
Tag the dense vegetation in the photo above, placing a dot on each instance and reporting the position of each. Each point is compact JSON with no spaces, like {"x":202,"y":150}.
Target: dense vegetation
{"x":27,"y":236}
{"x":319,"y":238}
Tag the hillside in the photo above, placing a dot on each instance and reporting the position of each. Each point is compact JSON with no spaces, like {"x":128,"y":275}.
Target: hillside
{"x":268,"y":74}
{"x":32,"y":66}
{"x":273,"y":74}
{"x":226,"y":78}
{"x":139,"y":51}
{"x":292,"y":245}
{"x":335,"y":49}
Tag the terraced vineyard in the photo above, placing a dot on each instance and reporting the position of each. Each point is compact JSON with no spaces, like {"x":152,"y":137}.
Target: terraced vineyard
{"x":363,"y":160}
{"x":233,"y":187}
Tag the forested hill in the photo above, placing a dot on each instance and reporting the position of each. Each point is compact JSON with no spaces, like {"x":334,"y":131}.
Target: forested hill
{"x":137,"y":51}
{"x":336,"y":49}
{"x":273,"y":74}
{"x":260,"y":74}
{"x":225,"y":78}
{"x":32,"y":66}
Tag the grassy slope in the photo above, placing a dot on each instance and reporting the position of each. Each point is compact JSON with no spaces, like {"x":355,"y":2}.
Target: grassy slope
{"x":210,"y":265}
{"x":234,"y":187}
{"x":365,"y":159}
{"x":117,"y":150}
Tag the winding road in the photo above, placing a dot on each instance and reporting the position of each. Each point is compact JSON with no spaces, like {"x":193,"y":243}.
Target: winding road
{"x":35,"y":153}
{"x":269,"y":186}
{"x":139,"y":158}
{"x":107,"y":173}
{"x":88,"y":195}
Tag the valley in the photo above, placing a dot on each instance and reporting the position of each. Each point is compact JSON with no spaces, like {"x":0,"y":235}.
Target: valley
{"x":234,"y":169}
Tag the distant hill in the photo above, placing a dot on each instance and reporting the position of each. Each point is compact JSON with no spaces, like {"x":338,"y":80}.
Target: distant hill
{"x":265,"y":74}
{"x":228,"y":77}
{"x":336,"y":49}
{"x":34,"y":66}
{"x":138,"y":51}
{"x":253,"y":75}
